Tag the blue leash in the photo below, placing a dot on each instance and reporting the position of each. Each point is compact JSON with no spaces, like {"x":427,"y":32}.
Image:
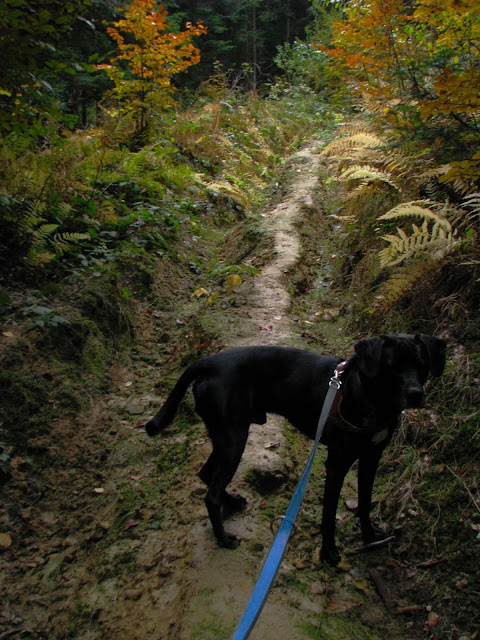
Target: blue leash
{"x":277,"y":550}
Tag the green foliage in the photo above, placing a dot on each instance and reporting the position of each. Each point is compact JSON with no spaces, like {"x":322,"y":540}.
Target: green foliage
{"x":28,"y":104}
{"x":302,"y":63}
{"x":45,"y":318}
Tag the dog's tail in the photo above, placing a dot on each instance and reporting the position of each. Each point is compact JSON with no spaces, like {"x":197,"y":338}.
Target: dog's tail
{"x":166,"y":414}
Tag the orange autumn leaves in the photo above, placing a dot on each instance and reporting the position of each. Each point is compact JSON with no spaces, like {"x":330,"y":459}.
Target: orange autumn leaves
{"x":149,"y":54}
{"x":424,"y":53}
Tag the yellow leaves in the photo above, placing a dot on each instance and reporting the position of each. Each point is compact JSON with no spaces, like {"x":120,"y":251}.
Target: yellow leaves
{"x":232,"y":281}
{"x":455,"y":93}
{"x":152,"y":53}
{"x":210,"y":296}
{"x":388,"y":49}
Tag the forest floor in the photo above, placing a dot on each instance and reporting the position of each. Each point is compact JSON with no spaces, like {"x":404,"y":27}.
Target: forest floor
{"x":116,"y":542}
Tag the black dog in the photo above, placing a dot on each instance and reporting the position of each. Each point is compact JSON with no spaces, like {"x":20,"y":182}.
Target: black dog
{"x":237,"y":387}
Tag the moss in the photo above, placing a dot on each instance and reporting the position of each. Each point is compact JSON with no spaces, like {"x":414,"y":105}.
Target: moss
{"x":101,"y":300}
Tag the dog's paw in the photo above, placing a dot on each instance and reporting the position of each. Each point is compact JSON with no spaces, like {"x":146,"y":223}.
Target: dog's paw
{"x":330,"y":555}
{"x":232,"y":503}
{"x":373,"y":535}
{"x":229,"y":541}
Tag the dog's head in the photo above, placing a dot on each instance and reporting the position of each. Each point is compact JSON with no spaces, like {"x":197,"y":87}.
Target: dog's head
{"x":398,"y":365}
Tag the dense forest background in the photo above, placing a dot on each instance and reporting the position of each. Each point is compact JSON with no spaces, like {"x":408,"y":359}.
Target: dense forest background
{"x":137,"y":138}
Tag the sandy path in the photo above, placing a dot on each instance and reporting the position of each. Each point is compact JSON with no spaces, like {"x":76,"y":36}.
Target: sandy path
{"x":221,"y":581}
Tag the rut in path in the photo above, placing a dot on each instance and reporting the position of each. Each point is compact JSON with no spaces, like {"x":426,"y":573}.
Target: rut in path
{"x":221,"y":581}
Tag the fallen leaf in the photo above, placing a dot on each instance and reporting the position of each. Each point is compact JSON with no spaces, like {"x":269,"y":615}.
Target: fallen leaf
{"x":272,"y":445}
{"x":300,"y":564}
{"x":5,"y":540}
{"x":337,"y":606}
{"x":130,"y":524}
{"x":317,"y":588}
{"x":99,"y":490}
{"x":128,"y":384}
{"x":16,"y":462}
{"x":198,"y":293}
{"x":7,"y":334}
{"x":351,"y":505}
{"x":433,"y":619}
{"x":361,"y":584}
{"x":344,"y":565}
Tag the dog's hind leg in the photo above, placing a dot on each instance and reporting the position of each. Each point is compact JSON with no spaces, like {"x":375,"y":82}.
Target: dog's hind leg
{"x":219,"y":470}
{"x":231,"y":502}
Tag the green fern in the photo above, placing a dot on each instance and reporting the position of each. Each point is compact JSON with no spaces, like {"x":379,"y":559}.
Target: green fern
{"x":435,"y":236}
{"x":44,"y":242}
{"x":65,"y":242}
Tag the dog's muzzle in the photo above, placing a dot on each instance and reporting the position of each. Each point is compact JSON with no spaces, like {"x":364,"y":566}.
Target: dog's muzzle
{"x":414,"y":398}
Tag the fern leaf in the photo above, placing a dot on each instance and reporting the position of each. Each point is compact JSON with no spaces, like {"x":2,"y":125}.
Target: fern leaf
{"x":233,"y":191}
{"x":367,"y":173}
{"x":32,"y":216}
{"x":472,"y":201}
{"x":65,"y":242}
{"x":409,"y":209}
{"x":357,"y":140}
{"x":35,"y":258}
{"x":42,"y":233}
{"x":346,"y":219}
{"x":401,"y":283}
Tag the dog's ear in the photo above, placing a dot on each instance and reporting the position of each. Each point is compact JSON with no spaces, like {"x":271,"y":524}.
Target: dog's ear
{"x":369,"y":354}
{"x":436,"y":350}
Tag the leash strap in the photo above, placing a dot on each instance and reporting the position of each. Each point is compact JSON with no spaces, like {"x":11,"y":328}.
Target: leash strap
{"x":277,"y":550}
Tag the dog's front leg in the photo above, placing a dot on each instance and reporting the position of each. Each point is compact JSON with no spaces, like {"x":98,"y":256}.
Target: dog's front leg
{"x":337,"y":466}
{"x":367,"y":469}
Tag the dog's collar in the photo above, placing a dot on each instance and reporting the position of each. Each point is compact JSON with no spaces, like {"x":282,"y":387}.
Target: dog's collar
{"x":377,"y":432}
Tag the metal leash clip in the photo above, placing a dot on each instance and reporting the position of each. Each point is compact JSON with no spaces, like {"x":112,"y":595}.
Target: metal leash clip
{"x":335,"y":380}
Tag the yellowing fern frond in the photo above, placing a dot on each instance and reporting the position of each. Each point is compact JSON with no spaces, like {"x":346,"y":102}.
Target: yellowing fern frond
{"x":366,"y":174}
{"x":233,"y":191}
{"x":362,"y":140}
{"x":400,"y":283}
{"x":435,"y":237}
{"x":472,"y":201}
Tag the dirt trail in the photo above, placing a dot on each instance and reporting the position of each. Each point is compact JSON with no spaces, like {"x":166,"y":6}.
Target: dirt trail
{"x":221,"y":581}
